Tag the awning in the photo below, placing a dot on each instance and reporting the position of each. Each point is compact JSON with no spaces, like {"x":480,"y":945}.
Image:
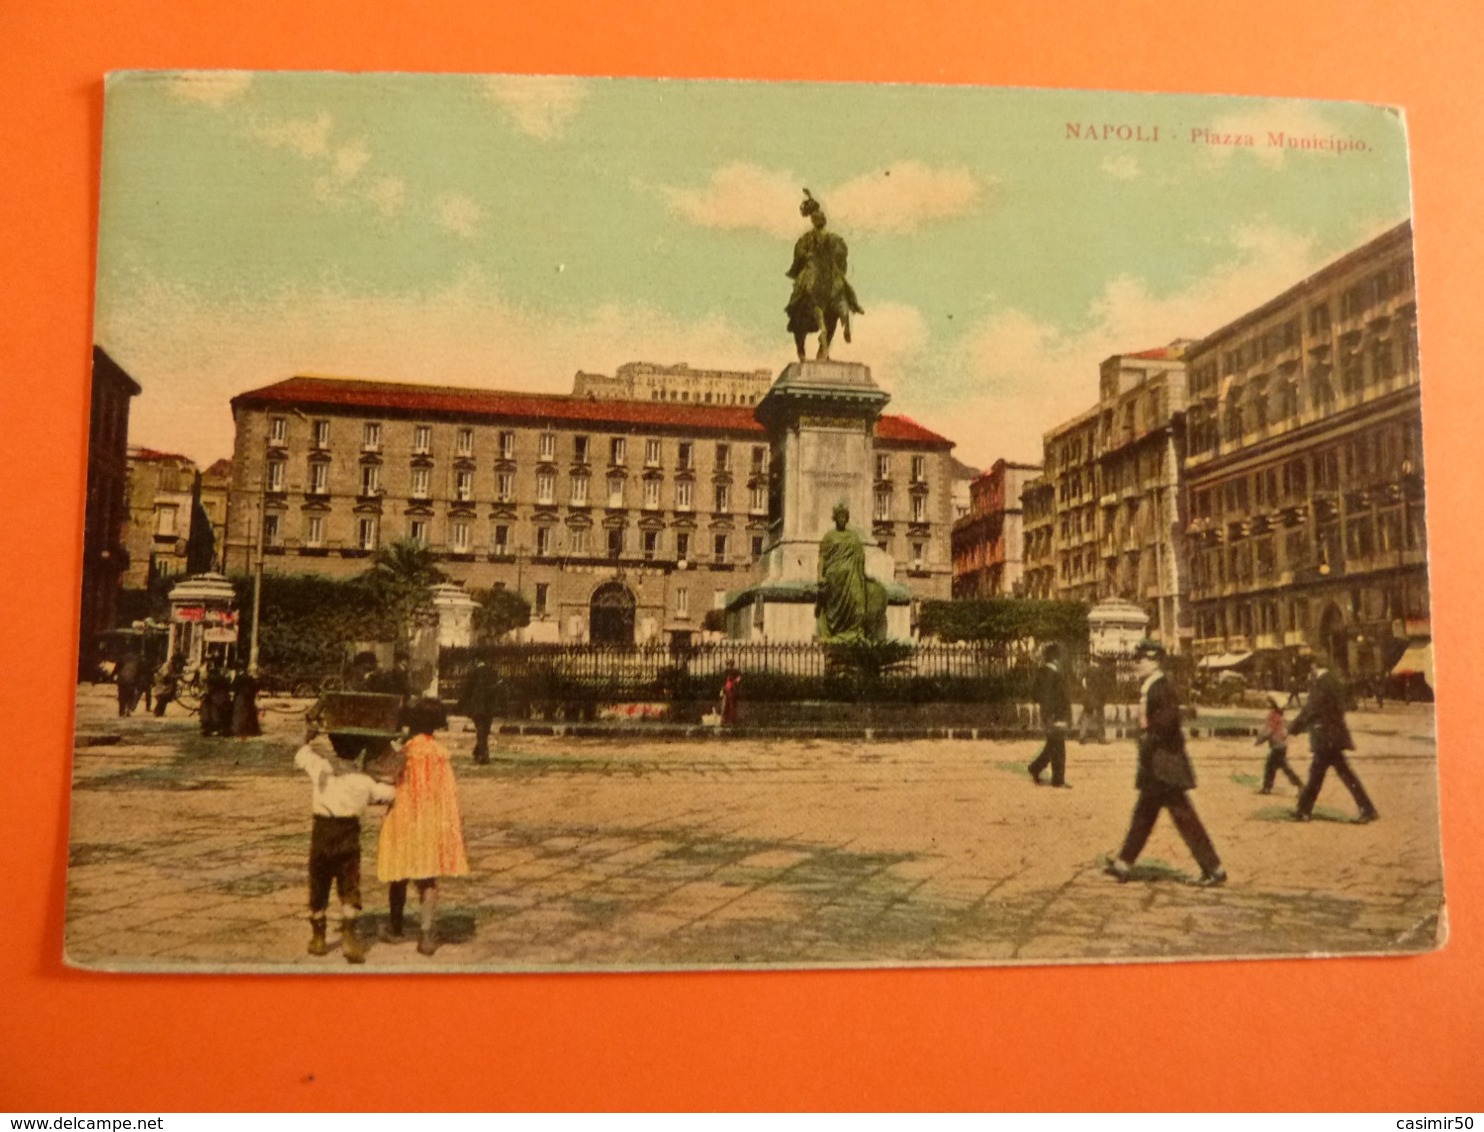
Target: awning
{"x":1225,"y":660}
{"x":1417,"y":659}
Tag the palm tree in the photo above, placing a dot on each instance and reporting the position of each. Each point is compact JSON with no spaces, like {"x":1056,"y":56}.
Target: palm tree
{"x":401,"y":578}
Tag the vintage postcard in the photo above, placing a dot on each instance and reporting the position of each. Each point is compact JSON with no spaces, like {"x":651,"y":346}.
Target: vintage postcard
{"x":540,"y":523}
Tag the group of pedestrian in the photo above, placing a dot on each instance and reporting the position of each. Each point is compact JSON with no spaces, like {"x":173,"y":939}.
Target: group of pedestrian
{"x":1165,"y":776}
{"x":421,"y":838}
{"x":229,"y":703}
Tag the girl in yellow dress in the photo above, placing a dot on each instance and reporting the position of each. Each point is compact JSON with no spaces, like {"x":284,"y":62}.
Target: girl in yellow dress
{"x":422,"y":837}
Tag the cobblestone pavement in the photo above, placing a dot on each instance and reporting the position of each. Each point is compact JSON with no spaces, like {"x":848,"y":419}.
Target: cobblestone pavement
{"x":190,"y":853}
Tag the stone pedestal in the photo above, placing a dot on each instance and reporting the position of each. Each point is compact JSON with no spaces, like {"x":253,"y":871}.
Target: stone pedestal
{"x":821,"y":420}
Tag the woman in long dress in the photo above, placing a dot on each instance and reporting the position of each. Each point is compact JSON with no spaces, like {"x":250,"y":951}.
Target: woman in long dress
{"x":422,"y":837}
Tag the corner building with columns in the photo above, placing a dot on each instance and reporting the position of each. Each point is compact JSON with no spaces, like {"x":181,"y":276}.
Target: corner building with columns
{"x":620,"y":520}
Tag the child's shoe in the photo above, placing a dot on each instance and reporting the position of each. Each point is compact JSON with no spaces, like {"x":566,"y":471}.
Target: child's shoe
{"x":427,"y":941}
{"x":350,"y":943}
{"x":317,"y":945}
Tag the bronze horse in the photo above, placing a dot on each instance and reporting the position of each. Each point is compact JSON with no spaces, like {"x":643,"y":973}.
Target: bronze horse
{"x":822,"y":298}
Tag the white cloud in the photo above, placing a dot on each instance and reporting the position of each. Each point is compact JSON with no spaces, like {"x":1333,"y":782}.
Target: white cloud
{"x":539,"y":105}
{"x":1017,"y":376}
{"x":308,"y":137}
{"x":387,"y":194}
{"x":898,"y":198}
{"x":459,"y":214}
{"x":192,"y":357}
{"x":215,"y":88}
{"x":1123,"y":167}
{"x":903,"y":197}
{"x":1296,"y":118}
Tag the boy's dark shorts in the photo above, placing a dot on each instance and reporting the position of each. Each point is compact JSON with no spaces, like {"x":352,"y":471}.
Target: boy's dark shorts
{"x":335,"y":855}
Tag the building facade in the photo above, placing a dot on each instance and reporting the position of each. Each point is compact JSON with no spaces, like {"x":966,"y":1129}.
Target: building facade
{"x":104,"y":558}
{"x":1038,"y":522}
{"x":989,"y":542}
{"x":646,"y":381}
{"x":619,"y":519}
{"x":1305,"y":475}
{"x":161,"y":487}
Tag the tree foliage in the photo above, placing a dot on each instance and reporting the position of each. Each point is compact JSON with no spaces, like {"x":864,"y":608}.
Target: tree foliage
{"x":1010,"y":623}
{"x":309,"y":619}
{"x":498,"y":612}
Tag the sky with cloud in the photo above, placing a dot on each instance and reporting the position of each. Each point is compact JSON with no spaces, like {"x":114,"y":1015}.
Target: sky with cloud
{"x":507,"y":231}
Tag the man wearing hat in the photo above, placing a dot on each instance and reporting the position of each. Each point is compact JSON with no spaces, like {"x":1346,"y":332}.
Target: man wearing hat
{"x":1165,"y":775}
{"x":1323,"y":717}
{"x":1056,"y":716}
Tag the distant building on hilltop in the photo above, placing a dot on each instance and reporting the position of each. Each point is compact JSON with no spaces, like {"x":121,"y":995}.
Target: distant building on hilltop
{"x":646,"y":381}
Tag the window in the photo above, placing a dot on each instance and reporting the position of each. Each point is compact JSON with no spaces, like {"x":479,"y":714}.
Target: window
{"x":652,"y":495}
{"x":543,"y":542}
{"x":615,"y":542}
{"x":417,"y":530}
{"x":545,"y":488}
{"x":507,"y":446}
{"x":319,"y":478}
{"x":883,"y":467}
{"x":366,"y":533}
{"x":579,"y":449}
{"x":919,"y":553}
{"x":919,"y":469}
{"x":580,"y":546}
{"x":371,"y":436}
{"x":464,"y":442}
{"x":505,"y":487}
{"x":322,"y":434}
{"x":501,"y":544}
{"x":459,"y":536}
{"x":723,"y":457}
{"x":684,"y":495}
{"x":757,"y":547}
{"x":759,"y":459}
{"x":685,"y":456}
{"x":275,"y":475}
{"x":682,"y":601}
{"x":278,"y":431}
{"x":682,"y":545}
{"x":651,"y":544}
{"x":422,"y":439}
{"x":719,"y":547}
{"x":270,"y":528}
{"x":370,"y":479}
{"x":165,"y":521}
{"x":463,"y":485}
{"x":420,"y":478}
{"x":618,"y":451}
{"x":615,"y":491}
{"x":882,"y":512}
{"x":651,"y":453}
{"x":546,"y":448}
{"x":542,"y":590}
{"x":314,"y":531}
{"x":579,"y":491}
{"x":919,"y":509}
{"x":758,"y":500}
{"x":723,"y":498}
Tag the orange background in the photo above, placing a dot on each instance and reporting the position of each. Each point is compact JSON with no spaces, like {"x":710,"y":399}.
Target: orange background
{"x":1404,"y":1034}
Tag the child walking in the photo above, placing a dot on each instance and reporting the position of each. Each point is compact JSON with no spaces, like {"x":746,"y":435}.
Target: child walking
{"x":422,"y":838}
{"x":341,"y":794}
{"x":1275,"y":734}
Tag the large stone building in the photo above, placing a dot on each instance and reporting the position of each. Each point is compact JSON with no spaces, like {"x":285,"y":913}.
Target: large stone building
{"x":989,"y":542}
{"x":646,"y":381}
{"x":1304,"y":472}
{"x":620,"y":519}
{"x":104,"y":558}
{"x":161,"y":489}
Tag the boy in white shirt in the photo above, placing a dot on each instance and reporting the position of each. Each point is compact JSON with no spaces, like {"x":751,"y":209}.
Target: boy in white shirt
{"x":341,"y":794}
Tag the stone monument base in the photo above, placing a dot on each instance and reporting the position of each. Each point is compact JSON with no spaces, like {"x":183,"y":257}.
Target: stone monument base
{"x":783,"y":611}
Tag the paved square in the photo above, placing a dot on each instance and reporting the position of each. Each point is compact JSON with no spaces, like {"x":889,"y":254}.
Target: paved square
{"x":190,"y":853}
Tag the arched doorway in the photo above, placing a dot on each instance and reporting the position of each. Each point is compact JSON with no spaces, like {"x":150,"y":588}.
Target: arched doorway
{"x":1332,"y":638}
{"x":611,"y":615}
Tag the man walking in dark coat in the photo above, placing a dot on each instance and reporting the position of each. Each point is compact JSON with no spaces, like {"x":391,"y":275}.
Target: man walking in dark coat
{"x":1055,"y":700}
{"x":1323,"y":717}
{"x":1165,"y":774}
{"x":480,"y":702}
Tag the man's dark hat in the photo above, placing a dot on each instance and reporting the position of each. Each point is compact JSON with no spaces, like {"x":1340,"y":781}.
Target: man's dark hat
{"x":1152,"y":650}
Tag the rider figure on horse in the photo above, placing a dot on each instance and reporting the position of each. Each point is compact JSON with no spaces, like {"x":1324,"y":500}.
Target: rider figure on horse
{"x":822,"y":297}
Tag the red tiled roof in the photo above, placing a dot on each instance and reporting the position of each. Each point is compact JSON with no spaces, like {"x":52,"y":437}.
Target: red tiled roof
{"x":358,"y":393}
